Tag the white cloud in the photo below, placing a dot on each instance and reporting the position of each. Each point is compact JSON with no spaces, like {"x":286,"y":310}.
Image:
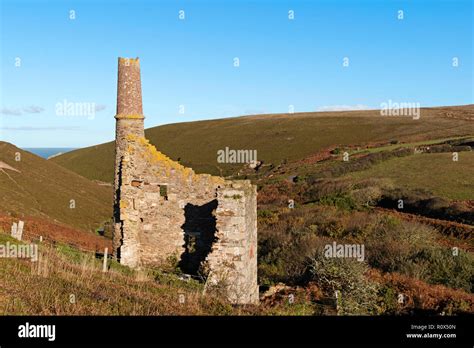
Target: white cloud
{"x":29,"y":128}
{"x":100,"y":107}
{"x":6,"y":111}
{"x":32,"y":109}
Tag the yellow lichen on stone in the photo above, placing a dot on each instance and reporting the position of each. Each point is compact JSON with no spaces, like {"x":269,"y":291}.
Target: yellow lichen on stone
{"x":123,"y":204}
{"x":217,"y":180}
{"x":158,"y":156}
{"x":129,"y":116}
{"x":129,"y":60}
{"x":169,"y":165}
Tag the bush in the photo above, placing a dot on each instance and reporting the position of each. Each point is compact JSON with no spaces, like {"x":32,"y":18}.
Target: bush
{"x":448,"y":269}
{"x":283,"y":258}
{"x":344,"y":202}
{"x":358,"y":294}
{"x":388,"y":300}
{"x":393,"y":243}
{"x":286,"y":243}
{"x":410,"y":248}
{"x":367,"y":196}
{"x":319,"y":188}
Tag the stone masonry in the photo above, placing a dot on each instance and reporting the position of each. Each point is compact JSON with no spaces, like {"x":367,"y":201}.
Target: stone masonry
{"x":164,"y":212}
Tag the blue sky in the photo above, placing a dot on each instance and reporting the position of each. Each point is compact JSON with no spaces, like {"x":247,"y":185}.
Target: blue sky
{"x":190,"y":62}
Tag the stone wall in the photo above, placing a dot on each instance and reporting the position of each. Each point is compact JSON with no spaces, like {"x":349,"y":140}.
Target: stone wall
{"x":157,"y":193}
{"x":233,"y":260}
{"x":164,"y":212}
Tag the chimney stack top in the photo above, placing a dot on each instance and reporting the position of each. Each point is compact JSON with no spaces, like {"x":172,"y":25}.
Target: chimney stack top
{"x":129,"y":90}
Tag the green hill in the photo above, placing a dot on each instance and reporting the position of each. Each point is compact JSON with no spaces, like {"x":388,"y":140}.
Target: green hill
{"x":31,"y":185}
{"x":276,"y":137}
{"x":435,"y":172}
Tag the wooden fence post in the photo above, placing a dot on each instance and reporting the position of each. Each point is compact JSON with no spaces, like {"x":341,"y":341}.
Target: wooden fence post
{"x":338,"y":301}
{"x":104,"y":266}
{"x":14,"y":230}
{"x":20,"y":229}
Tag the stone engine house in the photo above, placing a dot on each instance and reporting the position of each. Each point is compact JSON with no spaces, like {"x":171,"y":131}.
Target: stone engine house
{"x":164,"y":211}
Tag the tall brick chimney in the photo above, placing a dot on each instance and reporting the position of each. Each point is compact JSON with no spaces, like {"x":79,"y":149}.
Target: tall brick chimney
{"x":129,"y":120}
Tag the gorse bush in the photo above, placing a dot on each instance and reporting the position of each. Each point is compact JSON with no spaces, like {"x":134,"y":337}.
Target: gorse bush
{"x":443,"y":267}
{"x":345,"y":202}
{"x":286,"y":243}
{"x":410,"y":248}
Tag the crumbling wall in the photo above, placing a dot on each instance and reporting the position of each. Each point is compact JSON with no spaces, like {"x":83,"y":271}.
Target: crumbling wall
{"x":166,"y":213}
{"x":168,"y":200}
{"x":205,"y":223}
{"x":233,"y":260}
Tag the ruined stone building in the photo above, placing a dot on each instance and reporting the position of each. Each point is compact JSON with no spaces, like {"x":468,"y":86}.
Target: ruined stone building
{"x":164,"y":212}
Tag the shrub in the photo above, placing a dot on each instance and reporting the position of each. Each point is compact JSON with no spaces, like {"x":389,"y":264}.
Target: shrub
{"x":410,"y":248}
{"x":358,"y":294}
{"x":284,"y":257}
{"x":319,"y":188}
{"x":448,"y":269}
{"x":388,"y":300}
{"x":367,"y":195}
{"x":344,"y":202}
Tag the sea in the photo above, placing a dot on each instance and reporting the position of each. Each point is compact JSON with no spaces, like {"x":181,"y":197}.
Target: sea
{"x":47,"y":152}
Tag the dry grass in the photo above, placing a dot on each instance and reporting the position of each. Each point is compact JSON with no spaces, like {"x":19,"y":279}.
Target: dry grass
{"x":56,"y":286}
{"x":65,"y":281}
{"x":423,"y":297}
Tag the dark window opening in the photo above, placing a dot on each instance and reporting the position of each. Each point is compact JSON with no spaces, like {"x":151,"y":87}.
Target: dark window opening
{"x":199,"y":235}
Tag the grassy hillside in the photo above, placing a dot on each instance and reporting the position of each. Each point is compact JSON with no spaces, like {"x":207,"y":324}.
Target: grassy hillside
{"x":276,"y":137}
{"x":70,"y":282}
{"x":436,"y":172}
{"x":38,"y":187}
